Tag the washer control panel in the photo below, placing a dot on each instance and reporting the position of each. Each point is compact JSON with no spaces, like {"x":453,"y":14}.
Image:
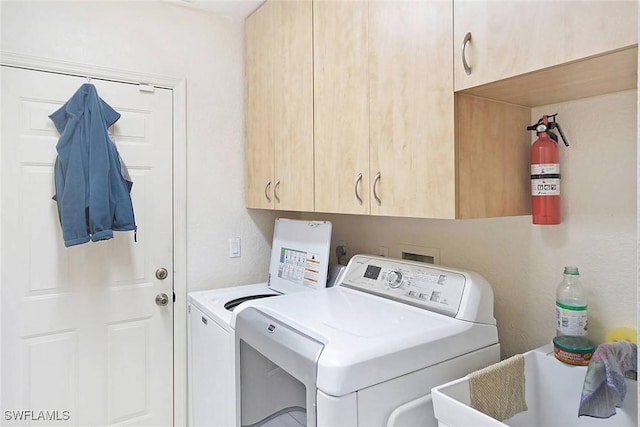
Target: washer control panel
{"x":421,"y":285}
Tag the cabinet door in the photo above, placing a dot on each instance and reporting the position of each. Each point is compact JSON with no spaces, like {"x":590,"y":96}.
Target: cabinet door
{"x":259,"y":132}
{"x":293,"y":105}
{"x":341,"y":106}
{"x":509,"y":38}
{"x":412,"y":109}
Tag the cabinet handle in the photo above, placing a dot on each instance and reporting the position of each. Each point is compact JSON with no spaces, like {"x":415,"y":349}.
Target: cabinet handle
{"x":266,"y":191}
{"x":358,"y":181}
{"x":467,"y":68}
{"x":375,"y":187}
{"x":275,"y":191}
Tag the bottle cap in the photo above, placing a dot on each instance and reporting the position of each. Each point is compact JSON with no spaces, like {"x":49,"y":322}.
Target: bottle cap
{"x":574,"y":344}
{"x":571,"y":270}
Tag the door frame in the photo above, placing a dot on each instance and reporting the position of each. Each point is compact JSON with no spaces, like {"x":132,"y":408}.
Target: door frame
{"x":178,"y":86}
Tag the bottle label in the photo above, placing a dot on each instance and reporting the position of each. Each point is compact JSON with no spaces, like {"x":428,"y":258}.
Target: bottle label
{"x":571,"y":320}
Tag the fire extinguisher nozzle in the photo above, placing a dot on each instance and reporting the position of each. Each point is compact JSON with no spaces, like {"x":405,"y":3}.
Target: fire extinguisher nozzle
{"x":564,"y":138}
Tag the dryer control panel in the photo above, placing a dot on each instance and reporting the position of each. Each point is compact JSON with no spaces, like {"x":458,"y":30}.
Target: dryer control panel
{"x":429,"y":287}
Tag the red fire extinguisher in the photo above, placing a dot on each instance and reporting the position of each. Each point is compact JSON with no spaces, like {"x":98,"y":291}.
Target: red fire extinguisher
{"x":545,"y":171}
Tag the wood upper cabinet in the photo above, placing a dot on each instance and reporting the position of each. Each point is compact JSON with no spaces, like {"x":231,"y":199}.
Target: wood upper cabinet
{"x":384,"y":141}
{"x":389,"y":139}
{"x":341,"y":106}
{"x":354,"y":106}
{"x":279,"y":106}
{"x":510,"y":38}
{"x":411,"y":120}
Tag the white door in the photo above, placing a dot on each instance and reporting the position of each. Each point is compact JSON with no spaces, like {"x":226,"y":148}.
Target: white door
{"x":83,"y":340}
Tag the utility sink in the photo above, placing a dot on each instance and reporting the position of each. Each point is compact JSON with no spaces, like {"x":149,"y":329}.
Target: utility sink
{"x":553,"y":391}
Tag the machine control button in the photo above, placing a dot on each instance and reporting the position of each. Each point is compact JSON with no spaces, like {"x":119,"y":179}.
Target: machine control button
{"x":395,"y":279}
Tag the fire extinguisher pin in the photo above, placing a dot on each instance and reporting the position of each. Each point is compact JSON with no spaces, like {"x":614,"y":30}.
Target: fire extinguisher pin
{"x":544,"y":125}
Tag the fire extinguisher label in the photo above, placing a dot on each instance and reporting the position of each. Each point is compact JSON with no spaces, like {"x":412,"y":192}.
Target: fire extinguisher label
{"x":545,"y":179}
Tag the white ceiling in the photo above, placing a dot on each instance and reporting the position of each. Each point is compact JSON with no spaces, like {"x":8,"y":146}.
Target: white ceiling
{"x":238,"y":9}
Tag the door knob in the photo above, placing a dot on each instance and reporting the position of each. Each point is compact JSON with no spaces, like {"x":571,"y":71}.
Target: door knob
{"x":162,"y":299}
{"x":161,"y":273}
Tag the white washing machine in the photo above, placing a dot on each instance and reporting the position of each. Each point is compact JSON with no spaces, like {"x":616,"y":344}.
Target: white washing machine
{"x":365,"y":353}
{"x":299,"y":262}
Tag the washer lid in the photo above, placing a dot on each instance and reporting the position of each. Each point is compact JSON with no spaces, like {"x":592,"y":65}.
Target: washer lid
{"x":299,"y":255}
{"x":368,"y":339}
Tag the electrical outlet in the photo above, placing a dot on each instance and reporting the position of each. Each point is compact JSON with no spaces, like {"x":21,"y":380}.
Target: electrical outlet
{"x":383,"y":251}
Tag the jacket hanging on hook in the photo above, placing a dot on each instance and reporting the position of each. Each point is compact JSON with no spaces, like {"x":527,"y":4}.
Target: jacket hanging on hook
{"x":92,"y":193}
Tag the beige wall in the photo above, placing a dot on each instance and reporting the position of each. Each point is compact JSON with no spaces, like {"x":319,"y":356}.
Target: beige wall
{"x":207,"y":50}
{"x":524,"y":262}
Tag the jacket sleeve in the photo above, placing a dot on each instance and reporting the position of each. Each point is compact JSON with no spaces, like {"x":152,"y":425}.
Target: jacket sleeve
{"x":70,"y":174}
{"x":101,"y":203}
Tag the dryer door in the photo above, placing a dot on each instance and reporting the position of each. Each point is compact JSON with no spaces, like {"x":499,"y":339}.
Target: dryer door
{"x":276,"y":369}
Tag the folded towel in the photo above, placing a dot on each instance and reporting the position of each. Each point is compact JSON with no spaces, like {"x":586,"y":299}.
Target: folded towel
{"x":498,"y":390}
{"x":604,"y":386}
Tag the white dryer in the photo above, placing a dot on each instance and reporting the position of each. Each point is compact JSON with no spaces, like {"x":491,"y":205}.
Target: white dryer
{"x":367,"y":352}
{"x":299,"y":262}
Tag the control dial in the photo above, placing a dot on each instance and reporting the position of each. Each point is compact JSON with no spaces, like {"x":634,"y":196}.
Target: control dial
{"x":394,"y":278}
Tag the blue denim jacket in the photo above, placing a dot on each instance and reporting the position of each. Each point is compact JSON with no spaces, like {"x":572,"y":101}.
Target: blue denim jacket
{"x":92,"y":194}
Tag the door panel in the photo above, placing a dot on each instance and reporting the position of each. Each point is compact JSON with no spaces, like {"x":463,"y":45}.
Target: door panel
{"x":341,"y":106}
{"x":259,"y":114}
{"x":80,"y":328}
{"x":509,"y":38}
{"x":293,"y":105}
{"x":411,"y":112}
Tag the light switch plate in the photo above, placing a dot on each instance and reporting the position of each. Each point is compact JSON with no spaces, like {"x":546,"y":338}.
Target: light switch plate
{"x":234,"y":247}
